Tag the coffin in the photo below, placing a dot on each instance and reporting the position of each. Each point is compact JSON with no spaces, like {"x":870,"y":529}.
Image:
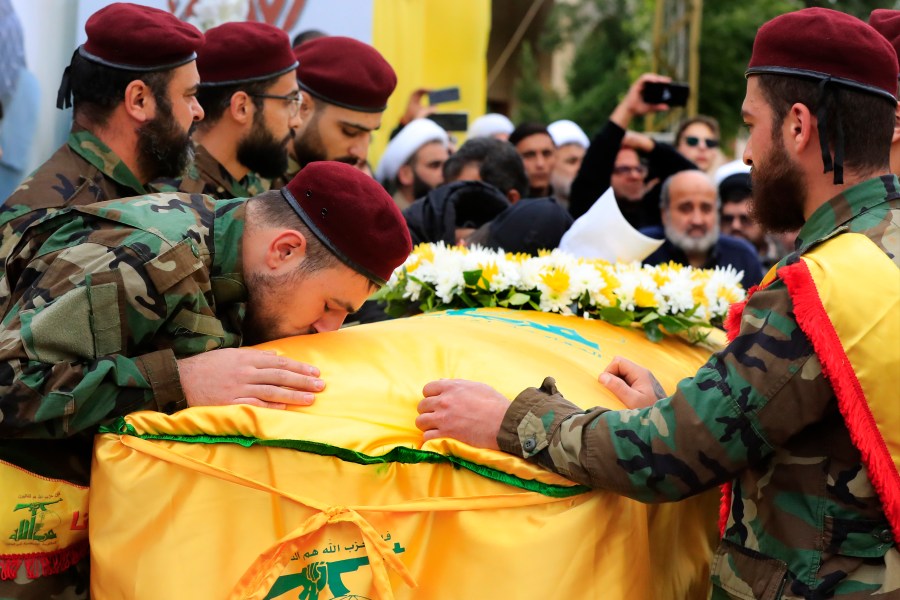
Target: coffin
{"x":342,"y":499}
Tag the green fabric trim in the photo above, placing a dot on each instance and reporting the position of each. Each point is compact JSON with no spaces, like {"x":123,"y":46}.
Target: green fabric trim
{"x":399,"y":454}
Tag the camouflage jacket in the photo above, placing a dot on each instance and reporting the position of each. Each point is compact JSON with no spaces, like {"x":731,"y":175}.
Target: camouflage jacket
{"x":208,"y":176}
{"x":805,"y":521}
{"x":82,"y":171}
{"x":98,"y":302}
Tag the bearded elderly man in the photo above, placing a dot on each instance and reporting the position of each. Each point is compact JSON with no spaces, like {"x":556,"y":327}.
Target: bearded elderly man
{"x":690,"y":214}
{"x":249,"y":94}
{"x":134,"y":102}
{"x":144,"y":304}
{"x":799,"y":413}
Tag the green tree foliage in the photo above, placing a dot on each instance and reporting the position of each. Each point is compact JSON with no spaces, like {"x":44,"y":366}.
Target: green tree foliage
{"x":726,"y":42}
{"x":606,"y":38}
{"x":613,"y":38}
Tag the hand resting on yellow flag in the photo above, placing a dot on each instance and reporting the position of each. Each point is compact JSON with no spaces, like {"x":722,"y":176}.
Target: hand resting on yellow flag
{"x":343,"y":500}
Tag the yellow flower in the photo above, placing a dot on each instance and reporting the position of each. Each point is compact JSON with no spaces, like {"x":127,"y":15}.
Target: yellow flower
{"x":489,"y":271}
{"x":700,"y":295}
{"x":611,"y":282}
{"x":660,"y":277}
{"x":557,"y":280}
{"x":425,"y":252}
{"x":729,"y":294}
{"x":644,"y":297}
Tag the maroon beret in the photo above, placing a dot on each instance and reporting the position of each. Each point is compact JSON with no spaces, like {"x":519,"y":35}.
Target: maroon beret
{"x":244,"y":52}
{"x":345,"y":72}
{"x":352,"y":215}
{"x":139,"y":38}
{"x":821,"y":43}
{"x":887,"y":23}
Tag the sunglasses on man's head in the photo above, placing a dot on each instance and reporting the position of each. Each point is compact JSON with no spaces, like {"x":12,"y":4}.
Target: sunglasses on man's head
{"x":693,"y":141}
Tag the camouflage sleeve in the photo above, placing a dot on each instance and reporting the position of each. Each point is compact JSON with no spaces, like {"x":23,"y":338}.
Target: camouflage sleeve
{"x":78,"y":346}
{"x":742,"y":404}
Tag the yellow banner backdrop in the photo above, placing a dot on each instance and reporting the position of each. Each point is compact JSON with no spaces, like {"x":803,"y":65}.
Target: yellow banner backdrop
{"x":432,"y":45}
{"x":343,"y":499}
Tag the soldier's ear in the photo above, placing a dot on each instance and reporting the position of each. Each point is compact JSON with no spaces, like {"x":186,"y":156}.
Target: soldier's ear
{"x":307,"y":106}
{"x":241,"y":107}
{"x":287,"y":248}
{"x":800,"y":126}
{"x":139,"y":101}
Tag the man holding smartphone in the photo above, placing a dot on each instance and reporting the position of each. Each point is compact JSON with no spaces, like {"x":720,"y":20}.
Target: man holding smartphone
{"x":632,"y":163}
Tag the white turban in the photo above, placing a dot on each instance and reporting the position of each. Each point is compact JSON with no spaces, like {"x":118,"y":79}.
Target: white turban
{"x":567,"y":132}
{"x":399,"y":150}
{"x":489,"y":125}
{"x":728,"y":169}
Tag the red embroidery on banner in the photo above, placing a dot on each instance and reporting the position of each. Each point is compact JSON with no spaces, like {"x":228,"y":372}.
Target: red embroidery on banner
{"x":280,"y":13}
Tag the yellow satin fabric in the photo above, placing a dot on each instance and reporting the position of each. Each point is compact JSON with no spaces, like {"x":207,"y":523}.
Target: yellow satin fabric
{"x":865,"y":314}
{"x":224,"y":521}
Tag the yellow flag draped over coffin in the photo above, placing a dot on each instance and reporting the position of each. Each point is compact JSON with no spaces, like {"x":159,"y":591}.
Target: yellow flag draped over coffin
{"x":342,"y":499}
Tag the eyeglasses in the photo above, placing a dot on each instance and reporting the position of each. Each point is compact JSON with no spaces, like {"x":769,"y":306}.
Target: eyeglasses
{"x":628,"y":169}
{"x":294,"y":99}
{"x":742,"y":219}
{"x":693,"y":141}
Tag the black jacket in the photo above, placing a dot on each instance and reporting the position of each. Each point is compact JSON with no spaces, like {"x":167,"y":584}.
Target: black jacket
{"x":436,"y":216}
{"x":596,"y":173}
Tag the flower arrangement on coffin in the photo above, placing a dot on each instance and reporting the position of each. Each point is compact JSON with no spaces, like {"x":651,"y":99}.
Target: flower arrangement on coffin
{"x":669,"y":298}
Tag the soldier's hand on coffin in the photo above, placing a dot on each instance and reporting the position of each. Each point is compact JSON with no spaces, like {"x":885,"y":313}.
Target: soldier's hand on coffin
{"x":465,"y":410}
{"x":634,"y":385}
{"x":247,"y":376}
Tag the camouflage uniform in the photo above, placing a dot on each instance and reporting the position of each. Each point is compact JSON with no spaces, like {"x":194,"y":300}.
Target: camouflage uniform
{"x":805,"y":521}
{"x":206,"y":175}
{"x":82,"y":171}
{"x":98,"y":303}
{"x":101,"y":301}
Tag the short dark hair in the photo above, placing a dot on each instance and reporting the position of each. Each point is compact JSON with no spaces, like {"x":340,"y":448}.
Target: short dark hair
{"x":215,"y":99}
{"x":526,"y":130}
{"x":273,"y":210}
{"x":306,"y":35}
{"x":708,"y":121}
{"x":97,"y":89}
{"x":498,"y":164}
{"x":867,"y":120}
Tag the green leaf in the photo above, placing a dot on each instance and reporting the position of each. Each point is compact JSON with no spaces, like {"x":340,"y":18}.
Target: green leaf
{"x":649,"y":317}
{"x":472,"y":277}
{"x":674,"y":324}
{"x":518,"y":299}
{"x":654,"y":334}
{"x":616,"y":316}
{"x":486,"y":300}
